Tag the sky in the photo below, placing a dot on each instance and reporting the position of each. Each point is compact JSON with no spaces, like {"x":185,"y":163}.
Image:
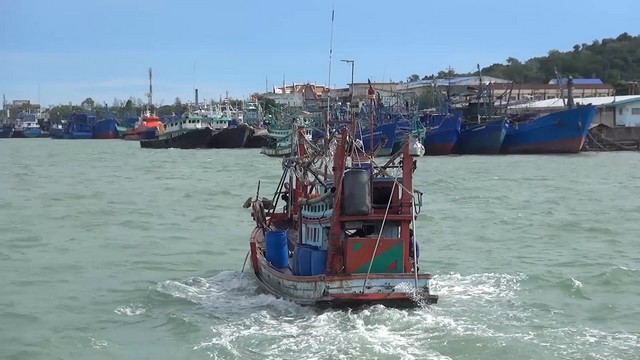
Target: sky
{"x":63,"y":51}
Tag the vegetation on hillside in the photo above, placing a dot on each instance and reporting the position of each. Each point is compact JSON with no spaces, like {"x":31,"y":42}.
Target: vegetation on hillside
{"x":614,"y":61}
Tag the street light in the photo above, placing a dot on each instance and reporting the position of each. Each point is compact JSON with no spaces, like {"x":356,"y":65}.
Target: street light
{"x":352,"y":62}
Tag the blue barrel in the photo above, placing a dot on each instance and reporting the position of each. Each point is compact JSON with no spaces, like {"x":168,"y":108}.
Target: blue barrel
{"x":277,"y":249}
{"x":294,"y":268}
{"x":297,"y":256}
{"x":318,"y":262}
{"x":304,"y":260}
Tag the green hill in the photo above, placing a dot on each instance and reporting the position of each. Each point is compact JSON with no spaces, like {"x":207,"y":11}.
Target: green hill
{"x":615,"y":61}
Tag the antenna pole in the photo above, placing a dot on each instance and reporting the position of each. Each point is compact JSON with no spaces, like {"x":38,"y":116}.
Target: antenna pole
{"x":326,"y":124}
{"x":150,"y":94}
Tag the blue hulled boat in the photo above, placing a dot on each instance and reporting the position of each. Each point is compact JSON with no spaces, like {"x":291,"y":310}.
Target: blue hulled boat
{"x":78,"y":127}
{"x":562,"y":131}
{"x":484,"y":138}
{"x":106,"y":129}
{"x":26,"y":126}
{"x":6,"y":131}
{"x":372,"y":139}
{"x":56,"y":131}
{"x":441,"y":132}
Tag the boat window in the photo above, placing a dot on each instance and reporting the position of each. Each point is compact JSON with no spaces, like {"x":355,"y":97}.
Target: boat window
{"x":381,"y":195}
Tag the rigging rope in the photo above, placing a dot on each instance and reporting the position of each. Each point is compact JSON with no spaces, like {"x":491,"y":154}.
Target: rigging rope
{"x":384,"y":219}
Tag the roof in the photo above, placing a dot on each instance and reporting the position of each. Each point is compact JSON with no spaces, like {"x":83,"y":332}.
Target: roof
{"x":547,"y":86}
{"x":456,"y":81}
{"x":597,"y":101}
{"x":577,"y":81}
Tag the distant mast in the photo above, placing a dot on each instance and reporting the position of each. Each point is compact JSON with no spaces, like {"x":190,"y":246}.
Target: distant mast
{"x":150,"y":94}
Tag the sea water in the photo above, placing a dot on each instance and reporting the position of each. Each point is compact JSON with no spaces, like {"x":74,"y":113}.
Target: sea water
{"x":109,"y":251}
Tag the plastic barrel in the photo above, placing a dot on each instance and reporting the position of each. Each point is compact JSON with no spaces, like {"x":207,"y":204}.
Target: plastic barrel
{"x":318,"y":262}
{"x":297,"y":256}
{"x":277,"y":249}
{"x":294,"y":268}
{"x":304,"y":260}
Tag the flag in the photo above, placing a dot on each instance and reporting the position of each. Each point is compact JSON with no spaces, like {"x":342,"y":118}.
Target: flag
{"x":371,"y":93}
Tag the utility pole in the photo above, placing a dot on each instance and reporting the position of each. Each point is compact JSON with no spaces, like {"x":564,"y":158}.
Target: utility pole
{"x":351,"y":115}
{"x":352,"y":62}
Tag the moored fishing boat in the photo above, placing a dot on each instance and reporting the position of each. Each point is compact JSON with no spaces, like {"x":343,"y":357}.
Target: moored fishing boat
{"x":146,"y":128}
{"x":26,"y":126}
{"x":441,"y":132}
{"x":482,"y":138}
{"x":188,"y":132}
{"x":6,"y":130}
{"x":106,"y":129}
{"x":78,"y":127}
{"x":562,"y":131}
{"x":345,"y":236}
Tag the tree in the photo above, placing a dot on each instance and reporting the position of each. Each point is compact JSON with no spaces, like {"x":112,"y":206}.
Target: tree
{"x":88,"y":103}
{"x":413,"y":77}
{"x":269,"y":105}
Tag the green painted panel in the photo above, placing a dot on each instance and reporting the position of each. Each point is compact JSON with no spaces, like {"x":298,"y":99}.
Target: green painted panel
{"x":389,"y":261}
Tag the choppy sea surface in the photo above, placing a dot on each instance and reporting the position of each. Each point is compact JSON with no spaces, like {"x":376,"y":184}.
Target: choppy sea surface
{"x":109,"y":251}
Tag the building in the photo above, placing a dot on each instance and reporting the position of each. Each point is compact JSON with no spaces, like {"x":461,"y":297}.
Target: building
{"x":299,"y":95}
{"x":612,"y":110}
{"x":289,"y":99}
{"x":536,"y":92}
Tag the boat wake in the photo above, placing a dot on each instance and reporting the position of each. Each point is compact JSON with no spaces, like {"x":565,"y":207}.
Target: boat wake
{"x":485,"y":314}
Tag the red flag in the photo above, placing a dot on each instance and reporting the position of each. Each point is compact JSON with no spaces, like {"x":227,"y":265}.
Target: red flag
{"x":371,"y":93}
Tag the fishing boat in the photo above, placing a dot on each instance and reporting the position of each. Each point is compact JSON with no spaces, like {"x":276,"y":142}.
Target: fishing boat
{"x":254,"y":117}
{"x":26,"y":126}
{"x":482,"y":138}
{"x":280,"y":141}
{"x":78,"y":127}
{"x":146,"y":128}
{"x":56,"y":131}
{"x":346,"y":233}
{"x":416,"y":135}
{"x":562,"y":131}
{"x":441,"y":132}
{"x":6,"y":130}
{"x":106,"y":129}
{"x":382,"y":138}
{"x":188,"y":132}
{"x":230,"y":130}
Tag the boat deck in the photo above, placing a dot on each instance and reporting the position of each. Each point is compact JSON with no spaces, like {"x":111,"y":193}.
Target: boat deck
{"x":292,"y":236}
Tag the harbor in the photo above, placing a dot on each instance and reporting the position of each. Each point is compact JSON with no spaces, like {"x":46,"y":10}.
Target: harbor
{"x":306,"y":180}
{"x":473,"y":124}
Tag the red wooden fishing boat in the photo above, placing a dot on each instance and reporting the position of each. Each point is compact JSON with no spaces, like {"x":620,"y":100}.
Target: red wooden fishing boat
{"x":344,"y":236}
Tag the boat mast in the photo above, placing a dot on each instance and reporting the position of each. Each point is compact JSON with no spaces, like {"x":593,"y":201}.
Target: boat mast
{"x":326,"y":123}
{"x":150,"y":93}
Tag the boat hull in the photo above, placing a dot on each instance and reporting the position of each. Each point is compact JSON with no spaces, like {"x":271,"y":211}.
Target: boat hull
{"x":32,"y":133}
{"x":441,"y":133}
{"x":388,"y":132}
{"x":56,"y":133}
{"x":258,"y":140}
{"x":342,"y":290}
{"x":105,"y":129}
{"x":559,"y":132}
{"x":484,"y":138}
{"x":78,"y":135}
{"x":280,"y":152}
{"x":231,"y":138}
{"x":194,"y":139}
{"x":6,"y":132}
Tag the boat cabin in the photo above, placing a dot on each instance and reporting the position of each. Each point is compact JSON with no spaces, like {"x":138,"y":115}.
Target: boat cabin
{"x":183,"y":124}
